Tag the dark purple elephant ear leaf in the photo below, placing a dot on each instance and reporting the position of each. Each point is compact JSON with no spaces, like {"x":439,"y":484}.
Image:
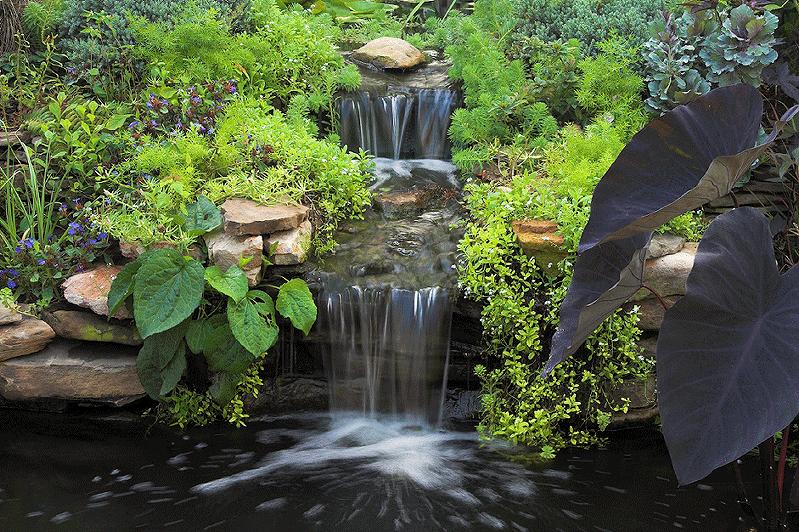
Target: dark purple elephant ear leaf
{"x":680,"y":161}
{"x":728,"y":352}
{"x":604,"y":278}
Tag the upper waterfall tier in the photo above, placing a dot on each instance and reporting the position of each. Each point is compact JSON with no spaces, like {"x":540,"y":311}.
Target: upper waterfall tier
{"x":409,"y":124}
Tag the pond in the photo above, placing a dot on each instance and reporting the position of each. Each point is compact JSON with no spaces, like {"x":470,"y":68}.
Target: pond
{"x":317,"y":472}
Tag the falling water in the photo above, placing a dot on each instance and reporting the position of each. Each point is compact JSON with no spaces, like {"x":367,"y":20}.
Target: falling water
{"x":409,"y":124}
{"x":388,"y":350}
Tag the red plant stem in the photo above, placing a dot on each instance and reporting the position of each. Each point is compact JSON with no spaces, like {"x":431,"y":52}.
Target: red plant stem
{"x":781,"y":466}
{"x":658,"y":296}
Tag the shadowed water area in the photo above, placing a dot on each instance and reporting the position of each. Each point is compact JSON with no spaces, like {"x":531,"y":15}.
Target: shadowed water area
{"x":321,"y":472}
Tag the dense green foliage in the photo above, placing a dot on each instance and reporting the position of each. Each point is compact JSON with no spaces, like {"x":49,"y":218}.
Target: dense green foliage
{"x":589,"y":21}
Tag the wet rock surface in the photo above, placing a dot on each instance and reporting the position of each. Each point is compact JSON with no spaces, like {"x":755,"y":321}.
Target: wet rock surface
{"x":90,"y":290}
{"x":89,"y":327}
{"x":389,"y":53}
{"x":74,"y":371}
{"x":246,"y":217}
{"x":664,"y":244}
{"x":540,"y":239}
{"x":28,"y":336}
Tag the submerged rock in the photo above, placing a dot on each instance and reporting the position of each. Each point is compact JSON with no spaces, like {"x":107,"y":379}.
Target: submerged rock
{"x":226,"y":250}
{"x":390,"y":53}
{"x":643,"y":407}
{"x":28,"y":336}
{"x":90,"y":290}
{"x":91,"y":328}
{"x":74,"y":371}
{"x":292,"y":246}
{"x":407,"y":203}
{"x":246,"y":217}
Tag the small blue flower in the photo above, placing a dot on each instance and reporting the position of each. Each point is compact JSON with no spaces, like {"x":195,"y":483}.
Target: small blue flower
{"x":11,"y":284}
{"x":74,"y":228}
{"x":133,"y":124}
{"x":13,"y":272}
{"x":41,"y":262}
{"x":102,"y":236}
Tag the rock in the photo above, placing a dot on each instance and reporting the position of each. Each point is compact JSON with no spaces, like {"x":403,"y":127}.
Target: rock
{"x":389,"y":53}
{"x":651,"y":312}
{"x":463,"y":405}
{"x":432,"y":75}
{"x":407,"y":203}
{"x":290,"y":247}
{"x":290,"y":394}
{"x":11,"y":138}
{"x":648,"y":346}
{"x":643,"y":407}
{"x":90,"y":290}
{"x":23,"y":338}
{"x":667,"y":275}
{"x":664,"y":244}
{"x":75,"y":371}
{"x":539,"y":239}
{"x":89,"y":327}
{"x":9,"y":315}
{"x":133,"y":250}
{"x":226,"y":250}
{"x":246,"y":217}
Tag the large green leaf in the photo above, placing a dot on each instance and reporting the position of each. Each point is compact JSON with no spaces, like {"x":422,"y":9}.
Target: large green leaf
{"x":295,"y":302}
{"x":167,"y":288}
{"x":208,"y":333}
{"x":122,"y":287}
{"x":162,"y":361}
{"x":229,"y":356}
{"x":263,"y":303}
{"x":232,"y":283}
{"x":202,"y":217}
{"x":250,"y":328}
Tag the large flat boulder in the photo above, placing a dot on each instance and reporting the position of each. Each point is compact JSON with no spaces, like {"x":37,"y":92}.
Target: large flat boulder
{"x":390,"y":53}
{"x":226,"y":250}
{"x":28,"y":336}
{"x":246,"y":217}
{"x":80,"y":325}
{"x":290,"y":247}
{"x":74,"y":371}
{"x":651,"y":311}
{"x":90,"y":290}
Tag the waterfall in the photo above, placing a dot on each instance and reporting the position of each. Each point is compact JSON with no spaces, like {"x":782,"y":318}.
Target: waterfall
{"x":410,"y":124}
{"x":388,"y":350}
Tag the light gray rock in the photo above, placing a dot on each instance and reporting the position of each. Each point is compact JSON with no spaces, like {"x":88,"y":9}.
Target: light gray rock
{"x":75,"y":371}
{"x":9,"y":315}
{"x":246,"y":217}
{"x":90,"y":290}
{"x":90,"y":327}
{"x":290,"y":247}
{"x":664,"y":244}
{"x":225,"y":250}
{"x":28,"y":336}
{"x":667,"y":275}
{"x":389,"y":53}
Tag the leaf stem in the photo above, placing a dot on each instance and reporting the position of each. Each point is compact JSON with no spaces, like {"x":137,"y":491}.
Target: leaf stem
{"x":660,"y":299}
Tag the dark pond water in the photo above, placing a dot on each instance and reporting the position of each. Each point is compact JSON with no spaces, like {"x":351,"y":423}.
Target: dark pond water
{"x":313,"y":472}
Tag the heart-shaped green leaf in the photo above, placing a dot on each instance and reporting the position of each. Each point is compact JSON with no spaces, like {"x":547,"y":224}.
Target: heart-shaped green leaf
{"x":232,"y":283}
{"x":295,"y":302}
{"x":250,"y":328}
{"x":168,"y":287}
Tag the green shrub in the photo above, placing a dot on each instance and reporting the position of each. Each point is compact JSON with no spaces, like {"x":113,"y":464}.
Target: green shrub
{"x":589,"y":21}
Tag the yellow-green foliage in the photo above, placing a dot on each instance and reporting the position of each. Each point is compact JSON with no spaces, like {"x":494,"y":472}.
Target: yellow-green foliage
{"x":255,"y":153}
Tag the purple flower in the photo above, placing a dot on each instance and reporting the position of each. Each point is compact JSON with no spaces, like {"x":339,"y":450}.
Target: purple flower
{"x":102,"y":236}
{"x":17,"y":250}
{"x":133,"y":124}
{"x":153,"y":123}
{"x":13,"y":273}
{"x":11,"y":284}
{"x":74,"y":228}
{"x":41,"y":262}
